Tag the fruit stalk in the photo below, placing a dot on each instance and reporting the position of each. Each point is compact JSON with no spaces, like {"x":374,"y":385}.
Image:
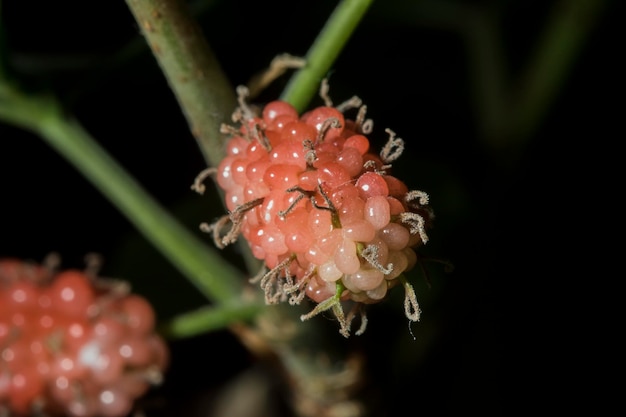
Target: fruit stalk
{"x":323,"y":52}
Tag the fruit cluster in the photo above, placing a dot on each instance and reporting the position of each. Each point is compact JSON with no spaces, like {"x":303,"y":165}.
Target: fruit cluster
{"x":319,"y":207}
{"x":72,"y":344}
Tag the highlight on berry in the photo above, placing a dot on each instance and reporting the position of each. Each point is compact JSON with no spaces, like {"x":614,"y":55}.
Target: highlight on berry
{"x":73,"y":344}
{"x":319,"y":207}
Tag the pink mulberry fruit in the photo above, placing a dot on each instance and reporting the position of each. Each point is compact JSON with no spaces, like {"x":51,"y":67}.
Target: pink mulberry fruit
{"x":319,"y":207}
{"x":72,"y":344}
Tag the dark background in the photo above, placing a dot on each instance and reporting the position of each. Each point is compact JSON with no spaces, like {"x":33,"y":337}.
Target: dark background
{"x":496,"y":334}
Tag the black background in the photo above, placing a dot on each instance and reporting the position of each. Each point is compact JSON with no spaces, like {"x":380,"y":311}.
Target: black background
{"x":496,"y":333}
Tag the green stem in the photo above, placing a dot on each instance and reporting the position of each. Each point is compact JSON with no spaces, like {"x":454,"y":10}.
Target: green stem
{"x":304,"y":84}
{"x":193,"y":72}
{"x":207,"y":319}
{"x":202,"y":89}
{"x":215,"y":278}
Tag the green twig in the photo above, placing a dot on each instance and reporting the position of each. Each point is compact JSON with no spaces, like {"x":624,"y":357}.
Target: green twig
{"x":215,"y":278}
{"x":207,"y":319}
{"x":202,"y":89}
{"x":304,"y":84}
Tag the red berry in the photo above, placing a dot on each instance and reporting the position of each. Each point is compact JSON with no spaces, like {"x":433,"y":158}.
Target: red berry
{"x":139,"y":314}
{"x":71,"y":293}
{"x":107,"y":330}
{"x":377,"y":211}
{"x":135,"y":351}
{"x":107,"y":367}
{"x":323,"y":117}
{"x":351,"y":160}
{"x":289,"y":152}
{"x":279,"y":108}
{"x":236,"y":146}
{"x":371,"y":184}
{"x":114,"y":402}
{"x":21,"y":296}
{"x":69,"y":348}
{"x":297,"y":132}
{"x":67,"y":364}
{"x":319,"y":207}
{"x":225,"y":176}
{"x":358,"y":142}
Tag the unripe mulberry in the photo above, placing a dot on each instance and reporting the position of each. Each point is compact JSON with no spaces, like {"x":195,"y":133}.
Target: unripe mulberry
{"x":319,"y":207}
{"x":72,"y":344}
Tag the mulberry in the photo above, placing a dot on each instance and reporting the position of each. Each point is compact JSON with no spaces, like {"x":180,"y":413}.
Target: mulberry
{"x":73,"y":345}
{"x":319,"y":207}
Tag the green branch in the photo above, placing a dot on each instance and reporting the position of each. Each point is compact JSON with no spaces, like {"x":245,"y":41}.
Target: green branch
{"x":303,"y":86}
{"x":214,"y":277}
{"x":206,"y":319}
{"x":194,"y":75}
{"x":202,"y":89}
